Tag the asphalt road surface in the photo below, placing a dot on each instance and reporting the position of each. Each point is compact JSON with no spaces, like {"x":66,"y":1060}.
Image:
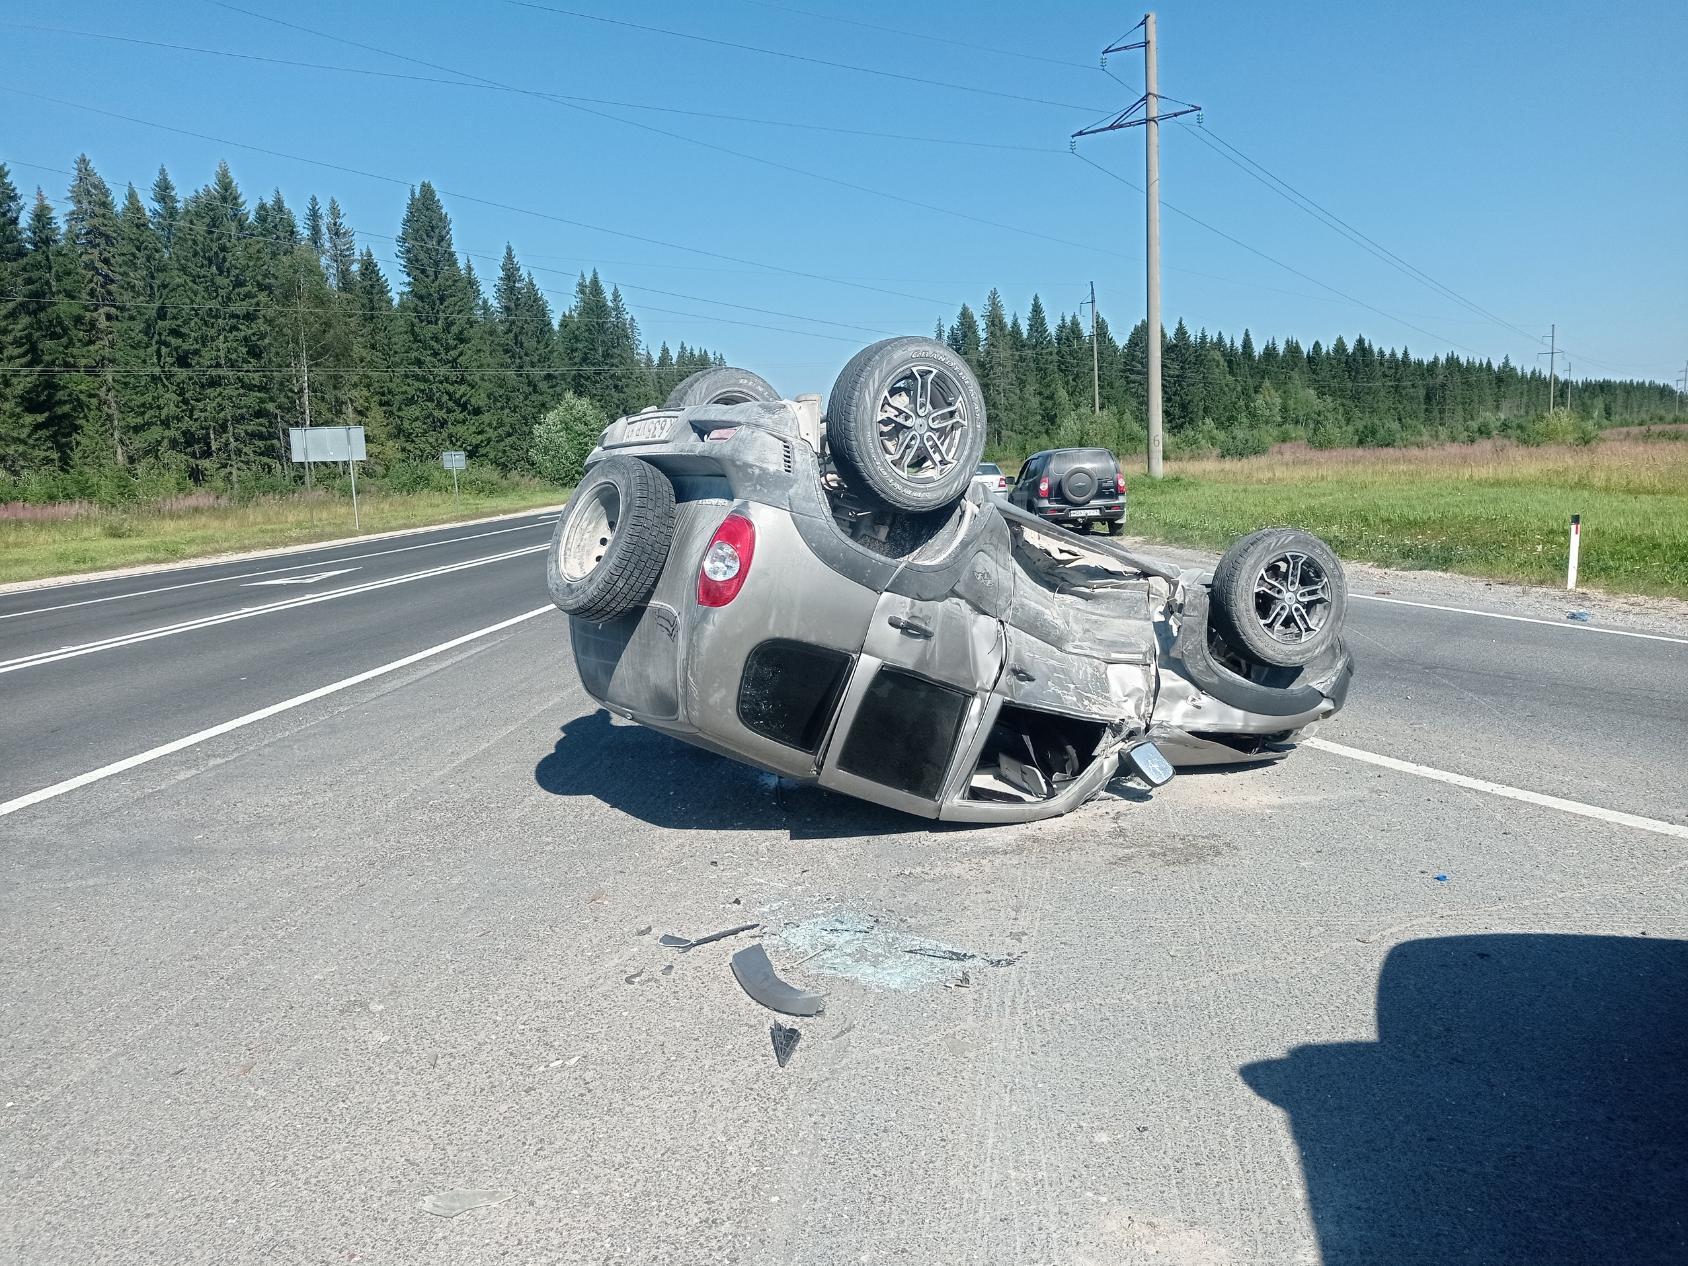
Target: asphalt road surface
{"x":319,"y":898}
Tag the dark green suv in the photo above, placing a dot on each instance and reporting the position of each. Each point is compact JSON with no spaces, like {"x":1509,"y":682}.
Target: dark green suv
{"x":1073,"y":486}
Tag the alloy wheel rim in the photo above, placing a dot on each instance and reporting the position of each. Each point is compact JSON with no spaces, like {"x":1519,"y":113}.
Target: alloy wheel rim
{"x":923,"y":421}
{"x":1292,"y":597}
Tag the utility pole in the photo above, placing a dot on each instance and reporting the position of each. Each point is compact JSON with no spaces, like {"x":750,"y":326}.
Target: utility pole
{"x":1149,"y":103}
{"x":1095,"y":371}
{"x":1682,"y":389}
{"x":1552,"y":355}
{"x":1151,"y":187}
{"x":1552,"y":359}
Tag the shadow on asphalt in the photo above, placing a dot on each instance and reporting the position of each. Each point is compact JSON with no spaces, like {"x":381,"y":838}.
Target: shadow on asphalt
{"x":670,"y":784}
{"x":1526,"y":1101}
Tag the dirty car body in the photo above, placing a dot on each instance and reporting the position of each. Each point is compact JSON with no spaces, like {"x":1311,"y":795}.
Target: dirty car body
{"x":969,"y":664}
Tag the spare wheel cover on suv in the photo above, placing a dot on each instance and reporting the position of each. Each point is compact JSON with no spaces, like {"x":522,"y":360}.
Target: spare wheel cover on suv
{"x":1078,"y":486}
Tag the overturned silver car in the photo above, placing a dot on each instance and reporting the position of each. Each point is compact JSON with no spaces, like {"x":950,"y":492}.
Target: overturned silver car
{"x":835,"y":600}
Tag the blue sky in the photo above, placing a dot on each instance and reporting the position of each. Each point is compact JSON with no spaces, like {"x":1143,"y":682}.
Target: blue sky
{"x":1532,"y":157}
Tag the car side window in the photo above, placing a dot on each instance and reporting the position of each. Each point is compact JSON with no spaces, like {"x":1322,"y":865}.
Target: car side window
{"x":905,"y":732}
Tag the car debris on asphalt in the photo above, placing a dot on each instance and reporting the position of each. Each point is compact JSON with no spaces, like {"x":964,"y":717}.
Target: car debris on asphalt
{"x":756,"y":976}
{"x":685,"y":943}
{"x":448,"y":1204}
{"x":785,"y":1038}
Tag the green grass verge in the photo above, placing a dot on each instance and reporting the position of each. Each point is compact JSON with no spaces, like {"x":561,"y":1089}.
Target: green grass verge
{"x":122,"y":538}
{"x":1491,"y":510}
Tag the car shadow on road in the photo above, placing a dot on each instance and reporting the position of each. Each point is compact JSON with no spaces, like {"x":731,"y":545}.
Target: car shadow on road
{"x":670,"y":784}
{"x":1526,"y":1101}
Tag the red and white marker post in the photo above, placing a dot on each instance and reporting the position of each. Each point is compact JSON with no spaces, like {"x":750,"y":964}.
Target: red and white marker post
{"x":1576,"y":544}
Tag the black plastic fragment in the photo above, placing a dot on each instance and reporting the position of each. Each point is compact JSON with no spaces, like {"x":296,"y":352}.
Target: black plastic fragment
{"x":757,"y":978}
{"x":965,"y":956}
{"x":686,"y":943}
{"x":948,"y":955}
{"x":785,"y":1038}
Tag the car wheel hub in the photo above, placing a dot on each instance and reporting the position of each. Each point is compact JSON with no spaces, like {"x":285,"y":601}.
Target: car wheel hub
{"x":590,"y":530}
{"x":922,"y":423}
{"x":1292,"y":598}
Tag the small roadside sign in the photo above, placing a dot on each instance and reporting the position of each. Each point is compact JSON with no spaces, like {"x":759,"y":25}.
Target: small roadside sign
{"x":454,"y":461}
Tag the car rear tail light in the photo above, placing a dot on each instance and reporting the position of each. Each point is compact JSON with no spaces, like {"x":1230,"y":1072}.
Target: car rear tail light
{"x":726,"y":563}
{"x":1120,"y":480}
{"x":1043,"y":486}
{"x":1001,"y":482}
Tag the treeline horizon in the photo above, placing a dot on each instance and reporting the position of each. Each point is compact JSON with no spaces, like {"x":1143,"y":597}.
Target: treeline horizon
{"x":169,"y":342}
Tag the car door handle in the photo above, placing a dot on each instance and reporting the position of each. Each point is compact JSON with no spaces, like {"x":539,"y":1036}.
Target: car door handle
{"x":1020,"y":674}
{"x":914,"y":628}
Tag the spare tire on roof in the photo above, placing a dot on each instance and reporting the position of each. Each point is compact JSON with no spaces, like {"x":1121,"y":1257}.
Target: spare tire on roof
{"x":906,"y":423}
{"x":721,"y":385}
{"x":1279,"y":597}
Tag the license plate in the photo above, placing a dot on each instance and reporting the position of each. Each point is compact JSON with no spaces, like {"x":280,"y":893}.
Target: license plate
{"x":1085,"y":514}
{"x":648,"y":428}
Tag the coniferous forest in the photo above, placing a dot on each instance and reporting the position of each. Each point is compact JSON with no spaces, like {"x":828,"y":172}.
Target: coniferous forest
{"x":164,"y":341}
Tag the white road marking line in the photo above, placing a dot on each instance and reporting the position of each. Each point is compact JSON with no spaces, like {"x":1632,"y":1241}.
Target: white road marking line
{"x":1501,"y":789}
{"x":300,"y":580}
{"x":310,"y":696}
{"x":273,"y":571}
{"x":1522,"y":619}
{"x":245,"y":613}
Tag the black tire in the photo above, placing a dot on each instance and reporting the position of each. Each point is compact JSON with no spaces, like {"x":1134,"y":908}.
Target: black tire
{"x":937,"y":470}
{"x":1115,"y":526}
{"x":1257,"y":611}
{"x":721,"y":385}
{"x":1078,"y":485}
{"x":611,"y":540}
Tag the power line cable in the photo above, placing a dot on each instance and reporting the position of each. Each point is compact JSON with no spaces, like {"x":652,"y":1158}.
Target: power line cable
{"x":572,"y":104}
{"x":480,"y":201}
{"x":797,"y":57}
{"x":922,"y":35}
{"x":1331,"y":220}
{"x":489,"y":86}
{"x":1280,"y":263}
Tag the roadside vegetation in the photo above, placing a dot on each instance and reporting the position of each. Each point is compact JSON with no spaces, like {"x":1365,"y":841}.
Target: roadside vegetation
{"x":64,"y":538}
{"x":1497,"y":508}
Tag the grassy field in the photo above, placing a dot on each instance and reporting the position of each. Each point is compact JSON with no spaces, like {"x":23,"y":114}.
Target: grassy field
{"x":1492,"y":509}
{"x":119,"y":538}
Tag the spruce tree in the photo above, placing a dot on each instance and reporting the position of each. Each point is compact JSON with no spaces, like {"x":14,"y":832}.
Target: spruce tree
{"x":438,"y":393}
{"x":54,"y":398}
{"x":150,"y":406}
{"x":996,"y":374}
{"x":92,"y":229}
{"x":166,"y":209}
{"x":217,"y":331}
{"x":342,"y":262}
{"x":16,"y":431}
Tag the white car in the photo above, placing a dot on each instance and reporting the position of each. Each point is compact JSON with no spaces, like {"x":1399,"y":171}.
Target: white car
{"x":990,"y":475}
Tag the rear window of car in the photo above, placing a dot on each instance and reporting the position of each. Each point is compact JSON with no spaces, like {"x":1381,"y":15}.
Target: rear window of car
{"x":1086,"y":457}
{"x":789,"y":691}
{"x":988,"y":468}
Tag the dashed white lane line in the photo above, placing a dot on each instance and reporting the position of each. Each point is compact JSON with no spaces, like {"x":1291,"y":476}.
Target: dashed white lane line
{"x":1577,"y":807}
{"x":273,"y":571}
{"x":1567,"y":625}
{"x":246,"y":613}
{"x":251,"y":718}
